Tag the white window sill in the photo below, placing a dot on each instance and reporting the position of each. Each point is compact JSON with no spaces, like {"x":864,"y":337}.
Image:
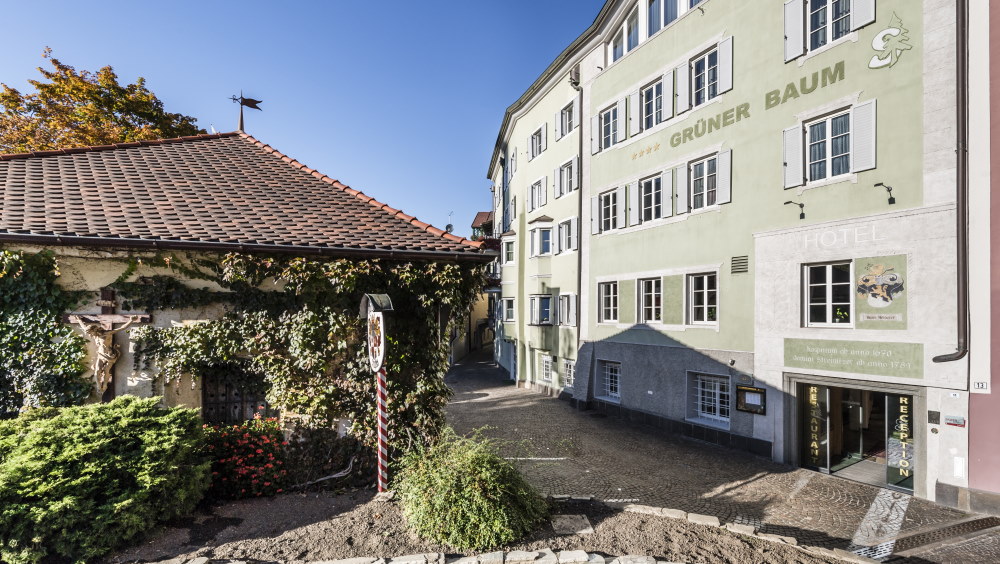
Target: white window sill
{"x":540,"y":324}
{"x":707,"y":422}
{"x":829,"y":326}
{"x":841,"y":179}
{"x":852,"y":37}
{"x":609,"y":399}
{"x":702,"y":326}
{"x":609,"y":323}
{"x":564,"y":253}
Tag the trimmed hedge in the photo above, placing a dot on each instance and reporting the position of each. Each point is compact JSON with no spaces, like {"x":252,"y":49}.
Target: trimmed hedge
{"x":78,"y":482}
{"x":461,"y":492}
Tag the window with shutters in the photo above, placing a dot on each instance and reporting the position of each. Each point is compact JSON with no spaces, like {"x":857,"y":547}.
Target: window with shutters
{"x":609,"y":210}
{"x":652,"y":104}
{"x":507,"y":309}
{"x":705,"y":77}
{"x":650,"y":300}
{"x":609,"y":127}
{"x":567,"y":309}
{"x":828,"y":21}
{"x":536,"y":144}
{"x":567,"y":178}
{"x":704,"y":182}
{"x":537,"y":195}
{"x":607,"y":295}
{"x":828,"y":294}
{"x":828,"y":147}
{"x":566,"y":119}
{"x":567,"y":236}
{"x":703,"y":299}
{"x":541,"y":309}
{"x":651,"y":198}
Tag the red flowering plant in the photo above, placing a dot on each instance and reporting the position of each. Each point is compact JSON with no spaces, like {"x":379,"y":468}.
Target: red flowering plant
{"x":248,"y":458}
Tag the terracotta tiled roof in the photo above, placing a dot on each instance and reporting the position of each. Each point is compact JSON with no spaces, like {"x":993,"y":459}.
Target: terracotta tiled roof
{"x":482,"y":218}
{"x":225,"y":191}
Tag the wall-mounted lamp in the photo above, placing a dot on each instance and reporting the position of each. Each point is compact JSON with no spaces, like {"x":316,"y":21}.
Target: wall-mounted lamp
{"x":892,"y":199}
{"x":802,"y":208}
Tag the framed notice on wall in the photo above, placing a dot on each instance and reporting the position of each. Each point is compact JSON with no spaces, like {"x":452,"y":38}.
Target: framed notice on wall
{"x":752,"y":400}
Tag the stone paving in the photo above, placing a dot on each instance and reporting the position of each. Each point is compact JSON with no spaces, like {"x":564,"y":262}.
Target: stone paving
{"x":566,"y":451}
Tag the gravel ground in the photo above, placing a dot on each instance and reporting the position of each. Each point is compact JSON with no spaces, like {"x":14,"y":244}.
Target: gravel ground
{"x":324,"y":526}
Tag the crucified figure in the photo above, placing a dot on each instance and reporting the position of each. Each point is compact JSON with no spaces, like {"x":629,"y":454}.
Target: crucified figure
{"x":102,"y":333}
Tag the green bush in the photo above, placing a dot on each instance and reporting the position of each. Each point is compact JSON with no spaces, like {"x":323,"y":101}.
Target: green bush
{"x":77,"y":482}
{"x":461,"y":492}
{"x":248,"y":458}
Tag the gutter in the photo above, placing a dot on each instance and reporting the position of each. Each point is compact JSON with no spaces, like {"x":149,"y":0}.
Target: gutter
{"x":962,"y":183}
{"x":173,"y":244}
{"x":575,"y":83}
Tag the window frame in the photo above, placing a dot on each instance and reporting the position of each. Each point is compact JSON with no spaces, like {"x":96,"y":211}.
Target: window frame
{"x":535,"y":305}
{"x":545,"y":368}
{"x":608,"y":206}
{"x":655,"y":207}
{"x":692,"y":308}
{"x":653,"y":289}
{"x":509,"y":248}
{"x":567,"y":178}
{"x":828,"y":139}
{"x":828,"y":27}
{"x":565,"y":235}
{"x":536,"y":242}
{"x":607,"y":302}
{"x":569,"y":372}
{"x":652,"y":110}
{"x":535,"y":194}
{"x":807,"y":286}
{"x":609,"y":123}
{"x":611,"y":379}
{"x":707,"y":162}
{"x":717,"y":388}
{"x":694,"y":77}
{"x":566,"y":118}
{"x":507,"y":304}
{"x":564,"y":309}
{"x":536,"y":143}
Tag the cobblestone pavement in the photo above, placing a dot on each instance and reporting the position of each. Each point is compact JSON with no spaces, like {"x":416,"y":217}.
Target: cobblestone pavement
{"x":566,"y":451}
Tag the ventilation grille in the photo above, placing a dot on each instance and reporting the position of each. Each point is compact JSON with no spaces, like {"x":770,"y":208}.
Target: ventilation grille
{"x":741,"y":265}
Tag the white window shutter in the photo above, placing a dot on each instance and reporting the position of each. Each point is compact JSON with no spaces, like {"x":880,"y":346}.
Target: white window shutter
{"x":531,"y":198}
{"x":595,"y":135}
{"x":862,"y":13}
{"x":531,"y":149}
{"x":545,"y":192}
{"x":558,"y":241}
{"x":620,"y":126}
{"x":620,"y":196}
{"x":724,"y":182}
{"x":863,"y":137}
{"x":794,"y":158}
{"x":575,"y":173}
{"x":667,"y":192}
{"x":545,"y":137}
{"x":681,"y":173}
{"x":683,"y":88}
{"x":633,"y":203}
{"x":668,"y":94}
{"x":557,"y":125}
{"x":557,"y":187}
{"x":577,"y":116}
{"x":595,"y":216}
{"x":574,"y":233}
{"x":572,"y":309}
{"x":795,"y":29}
{"x":534,"y":243}
{"x":534,"y":310}
{"x":634,"y":115}
{"x":726,"y":65}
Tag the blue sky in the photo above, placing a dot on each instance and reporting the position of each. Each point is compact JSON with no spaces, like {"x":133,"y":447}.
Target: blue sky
{"x":402,"y":100}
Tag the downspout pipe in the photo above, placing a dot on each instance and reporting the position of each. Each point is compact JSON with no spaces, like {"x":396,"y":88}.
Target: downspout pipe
{"x":574,"y":81}
{"x":962,"y":185}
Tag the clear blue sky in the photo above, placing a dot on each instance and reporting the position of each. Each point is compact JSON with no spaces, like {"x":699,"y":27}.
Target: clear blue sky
{"x":402,"y":100}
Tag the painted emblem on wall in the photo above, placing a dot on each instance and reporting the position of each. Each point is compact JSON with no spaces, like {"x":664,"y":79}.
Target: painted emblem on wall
{"x":880,"y":285}
{"x":890,"y":43}
{"x":376,"y":340}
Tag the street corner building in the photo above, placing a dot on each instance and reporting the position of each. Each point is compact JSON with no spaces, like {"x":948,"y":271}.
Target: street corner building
{"x":739,"y":222}
{"x":102,"y":208}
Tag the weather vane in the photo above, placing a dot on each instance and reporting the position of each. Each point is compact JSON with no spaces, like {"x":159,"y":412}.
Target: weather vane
{"x":248,"y":102}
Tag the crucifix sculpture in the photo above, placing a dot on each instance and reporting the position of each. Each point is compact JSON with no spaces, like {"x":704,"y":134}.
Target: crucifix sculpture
{"x":100,"y":329}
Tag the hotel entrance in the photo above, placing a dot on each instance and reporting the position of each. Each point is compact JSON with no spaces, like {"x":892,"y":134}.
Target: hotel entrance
{"x":861,"y":435}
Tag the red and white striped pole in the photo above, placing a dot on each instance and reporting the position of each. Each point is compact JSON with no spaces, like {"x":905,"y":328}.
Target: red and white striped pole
{"x":383,"y":434}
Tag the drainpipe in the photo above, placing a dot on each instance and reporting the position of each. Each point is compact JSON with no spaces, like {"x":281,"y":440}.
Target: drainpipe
{"x":962,"y":185}
{"x":574,"y":81}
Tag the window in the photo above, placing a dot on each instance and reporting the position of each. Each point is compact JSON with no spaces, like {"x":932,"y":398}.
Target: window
{"x":538,"y":195}
{"x":829,"y":20}
{"x":650,"y":300}
{"x":651,"y":199}
{"x":704,"y":181}
{"x":652,"y":105}
{"x":711,"y":397}
{"x":653,"y":16}
{"x":566,"y":118}
{"x":567,"y":236}
{"x":828,"y":294}
{"x":703,"y":298}
{"x":569,"y":372}
{"x":546,"y":367}
{"x":608,"y":305}
{"x":507,"y":309}
{"x":609,"y":210}
{"x":829,"y":147}
{"x":609,"y":127}
{"x":669,"y":11}
{"x":626,"y":38}
{"x":705,"y":72}
{"x":536,"y":143}
{"x":617,"y":46}
{"x":508,"y":252}
{"x":541,"y":309}
{"x":541,"y":241}
{"x":567,"y":178}
{"x":694,"y":3}
{"x":632,"y":27}
{"x":567,"y":309}
{"x":611,"y":379}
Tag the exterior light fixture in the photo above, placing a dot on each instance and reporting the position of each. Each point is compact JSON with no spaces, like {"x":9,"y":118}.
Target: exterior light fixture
{"x":802,"y":208}
{"x":892,"y":199}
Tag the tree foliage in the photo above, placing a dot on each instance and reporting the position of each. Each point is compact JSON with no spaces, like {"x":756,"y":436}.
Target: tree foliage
{"x":72,"y":108}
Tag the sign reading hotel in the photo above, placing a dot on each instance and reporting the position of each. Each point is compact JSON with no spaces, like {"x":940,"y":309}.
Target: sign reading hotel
{"x":877,"y":358}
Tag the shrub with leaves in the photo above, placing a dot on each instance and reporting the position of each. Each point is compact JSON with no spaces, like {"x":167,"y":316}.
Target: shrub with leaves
{"x":78,"y":482}
{"x":248,"y":458}
{"x":461,"y":492}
